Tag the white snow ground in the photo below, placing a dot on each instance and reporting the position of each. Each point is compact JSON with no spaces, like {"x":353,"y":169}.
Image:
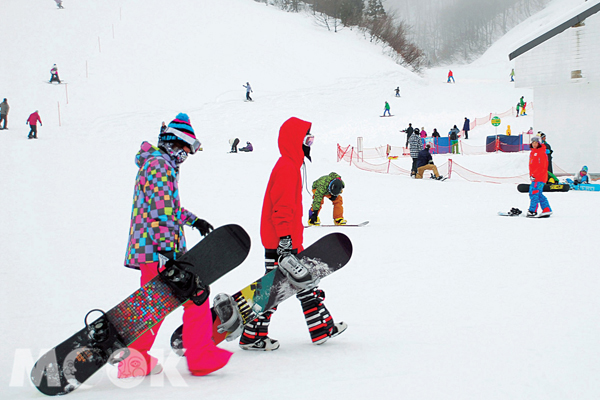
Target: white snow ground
{"x":445,"y":300}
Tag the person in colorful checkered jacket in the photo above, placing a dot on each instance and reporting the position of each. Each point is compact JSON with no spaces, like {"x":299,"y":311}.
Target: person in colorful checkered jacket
{"x":157,"y":222}
{"x":329,"y":186}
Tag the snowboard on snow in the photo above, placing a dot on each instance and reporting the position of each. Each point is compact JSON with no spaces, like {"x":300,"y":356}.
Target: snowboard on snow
{"x":505,"y":214}
{"x":324,"y":257}
{"x":587,"y":187}
{"x":65,"y":367}
{"x":548,"y":187}
{"x":365,"y":223}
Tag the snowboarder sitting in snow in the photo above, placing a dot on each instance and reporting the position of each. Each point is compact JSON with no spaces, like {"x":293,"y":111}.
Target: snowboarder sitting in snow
{"x":54,"y":74}
{"x":581,"y":177}
{"x":234,"y":143}
{"x":425,"y":162}
{"x":248,"y":148}
{"x":156,"y":237}
{"x":330,"y":186}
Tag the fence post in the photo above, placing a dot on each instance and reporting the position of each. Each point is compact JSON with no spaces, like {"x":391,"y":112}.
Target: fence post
{"x":351,"y":155}
{"x":58,"y":103}
{"x":449,"y":168}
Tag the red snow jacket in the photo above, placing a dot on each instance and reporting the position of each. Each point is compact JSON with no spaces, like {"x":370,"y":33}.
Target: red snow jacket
{"x":34,"y":119}
{"x":282,"y":205}
{"x":538,"y":164}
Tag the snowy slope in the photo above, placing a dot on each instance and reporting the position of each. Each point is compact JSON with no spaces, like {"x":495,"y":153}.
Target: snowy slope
{"x":444,"y":299}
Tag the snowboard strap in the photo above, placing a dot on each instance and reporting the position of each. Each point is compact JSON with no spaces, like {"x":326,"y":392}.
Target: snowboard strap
{"x":185,"y":284}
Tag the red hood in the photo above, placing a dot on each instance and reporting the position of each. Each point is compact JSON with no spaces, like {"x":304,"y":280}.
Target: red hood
{"x":291,"y":136}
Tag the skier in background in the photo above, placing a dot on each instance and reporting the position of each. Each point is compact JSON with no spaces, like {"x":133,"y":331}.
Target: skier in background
{"x":522,"y":104}
{"x":329,"y":186}
{"x":59,"y":3}
{"x":508,"y":130}
{"x":387,"y":109}
{"x":163,"y":127}
{"x":467,"y":127}
{"x":281,"y":232}
{"x":512,"y":75}
{"x":4,"y":108}
{"x":54,"y":74}
{"x":435,"y":133}
{"x":248,"y":148}
{"x":397,"y":91}
{"x":518,"y":108}
{"x":33,"y":119}
{"x":248,"y":91}
{"x":454,"y":139}
{"x":234,"y":143}
{"x":549,"y":150}
{"x":423,"y":134}
{"x":538,"y":171}
{"x":450,"y":76}
{"x":155,"y":235}
{"x":409,"y":131}
{"x":416,"y":145}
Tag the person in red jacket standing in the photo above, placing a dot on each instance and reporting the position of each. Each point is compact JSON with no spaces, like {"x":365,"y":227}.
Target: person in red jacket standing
{"x":538,"y":171}
{"x":281,"y":232}
{"x":32,"y":121}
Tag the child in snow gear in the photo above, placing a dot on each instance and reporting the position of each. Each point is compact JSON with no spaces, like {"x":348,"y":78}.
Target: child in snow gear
{"x":398,"y":91}
{"x":523,"y":104}
{"x":4,"y":107}
{"x":281,"y":232}
{"x":234,"y":143}
{"x":387,"y":109}
{"x":508,"y":130}
{"x":248,"y":91}
{"x":329,"y":186}
{"x":416,"y":145}
{"x":454,"y":139}
{"x":450,"y":76}
{"x":156,"y":235}
{"x":538,"y":171}
{"x":247,"y":148}
{"x":54,"y":74}
{"x":425,"y":163}
{"x":33,"y":119}
{"x":512,"y":75}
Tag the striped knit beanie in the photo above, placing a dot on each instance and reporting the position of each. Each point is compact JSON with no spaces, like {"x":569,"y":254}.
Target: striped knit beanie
{"x":180,"y":129}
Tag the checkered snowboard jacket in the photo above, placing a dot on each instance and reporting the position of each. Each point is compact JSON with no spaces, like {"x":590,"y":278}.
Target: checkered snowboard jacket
{"x":157,"y":218}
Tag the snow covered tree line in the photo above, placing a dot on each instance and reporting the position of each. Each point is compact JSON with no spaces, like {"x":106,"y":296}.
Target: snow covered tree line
{"x":455,"y":30}
{"x":367,"y":15}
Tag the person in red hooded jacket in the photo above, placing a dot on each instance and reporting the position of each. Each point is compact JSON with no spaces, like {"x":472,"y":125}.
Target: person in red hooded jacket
{"x":538,"y":171}
{"x":281,"y":232}
{"x":33,"y":119}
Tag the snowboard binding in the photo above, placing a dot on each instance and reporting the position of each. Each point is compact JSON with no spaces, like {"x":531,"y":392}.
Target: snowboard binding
{"x":185,"y":284}
{"x":231,"y":320}
{"x":515,"y":212}
{"x":104,"y":339}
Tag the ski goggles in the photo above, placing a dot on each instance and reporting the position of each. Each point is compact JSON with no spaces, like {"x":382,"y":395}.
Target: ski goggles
{"x":308,"y":140}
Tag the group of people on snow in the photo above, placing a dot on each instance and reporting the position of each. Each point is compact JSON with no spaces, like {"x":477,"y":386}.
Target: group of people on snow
{"x":156,"y":236}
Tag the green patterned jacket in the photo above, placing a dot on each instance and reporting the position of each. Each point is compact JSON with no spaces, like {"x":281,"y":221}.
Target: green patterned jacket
{"x":321,"y":185}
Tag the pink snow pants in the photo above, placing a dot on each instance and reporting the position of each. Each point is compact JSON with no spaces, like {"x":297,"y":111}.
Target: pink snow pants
{"x":203,"y":357}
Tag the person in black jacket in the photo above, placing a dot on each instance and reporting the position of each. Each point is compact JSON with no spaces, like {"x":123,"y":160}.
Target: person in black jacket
{"x":549,"y":151}
{"x":409,"y":131}
{"x":425,"y":162}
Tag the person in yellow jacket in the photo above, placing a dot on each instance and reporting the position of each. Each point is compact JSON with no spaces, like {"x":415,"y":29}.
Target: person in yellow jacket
{"x":330,"y":186}
{"x":508,"y":131}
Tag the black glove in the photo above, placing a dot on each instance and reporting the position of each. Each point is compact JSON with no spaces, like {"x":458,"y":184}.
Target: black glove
{"x":203,"y":226}
{"x":313,"y":217}
{"x":332,"y":198}
{"x":285,"y":246}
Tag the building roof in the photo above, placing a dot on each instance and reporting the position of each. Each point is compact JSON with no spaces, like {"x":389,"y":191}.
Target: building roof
{"x":575,"y":16}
